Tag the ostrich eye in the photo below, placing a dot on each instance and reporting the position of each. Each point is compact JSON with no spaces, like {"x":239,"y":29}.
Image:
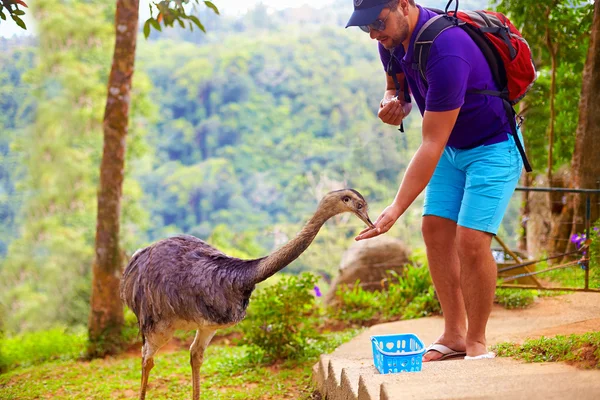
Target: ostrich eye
{"x":346,"y":199}
{"x":360,"y":206}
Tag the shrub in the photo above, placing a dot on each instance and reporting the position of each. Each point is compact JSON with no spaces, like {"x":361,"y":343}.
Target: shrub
{"x":38,"y":347}
{"x":3,"y":358}
{"x":281,"y":320}
{"x":515,"y":298}
{"x":410,"y":291}
{"x":356,"y":305}
{"x":409,"y":295}
{"x":130,"y":331}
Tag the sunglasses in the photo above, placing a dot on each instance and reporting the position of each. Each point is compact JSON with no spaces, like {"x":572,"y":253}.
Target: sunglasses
{"x":377,"y":25}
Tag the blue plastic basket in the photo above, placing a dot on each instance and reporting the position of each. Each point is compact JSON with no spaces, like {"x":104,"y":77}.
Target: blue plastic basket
{"x":397,"y":353}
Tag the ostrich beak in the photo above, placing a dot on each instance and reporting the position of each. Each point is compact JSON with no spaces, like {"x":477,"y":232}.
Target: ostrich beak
{"x":365,"y":218}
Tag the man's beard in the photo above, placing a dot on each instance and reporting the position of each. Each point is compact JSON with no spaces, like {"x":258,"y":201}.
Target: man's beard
{"x":402,"y":35}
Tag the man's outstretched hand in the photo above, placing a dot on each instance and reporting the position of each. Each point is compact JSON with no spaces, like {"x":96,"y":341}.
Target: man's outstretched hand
{"x":384,"y":222}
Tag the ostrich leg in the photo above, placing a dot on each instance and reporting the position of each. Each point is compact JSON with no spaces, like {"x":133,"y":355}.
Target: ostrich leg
{"x":201,"y":341}
{"x":153,"y":342}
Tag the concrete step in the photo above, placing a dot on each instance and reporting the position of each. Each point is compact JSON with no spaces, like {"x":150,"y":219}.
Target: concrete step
{"x":348,"y":372}
{"x":458,"y":379}
{"x":493,"y":379}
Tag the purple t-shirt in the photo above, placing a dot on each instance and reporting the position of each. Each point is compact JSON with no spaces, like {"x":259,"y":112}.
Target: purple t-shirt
{"x":455,"y":66}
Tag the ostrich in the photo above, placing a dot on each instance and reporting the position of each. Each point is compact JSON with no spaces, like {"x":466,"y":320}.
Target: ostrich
{"x":184,"y":283}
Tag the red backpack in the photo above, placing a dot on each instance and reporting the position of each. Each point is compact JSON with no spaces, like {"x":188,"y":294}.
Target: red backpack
{"x":503,"y":46}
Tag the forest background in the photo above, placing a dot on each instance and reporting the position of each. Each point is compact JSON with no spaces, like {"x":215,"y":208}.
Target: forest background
{"x":234,"y":136}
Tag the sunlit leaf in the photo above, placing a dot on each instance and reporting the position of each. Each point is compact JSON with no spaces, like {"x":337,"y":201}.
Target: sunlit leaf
{"x":19,"y":21}
{"x":196,"y":21}
{"x":210,"y":5}
{"x":147,"y":29}
{"x":155,"y":24}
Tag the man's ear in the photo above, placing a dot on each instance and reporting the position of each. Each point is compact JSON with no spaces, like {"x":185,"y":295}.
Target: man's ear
{"x":403,"y":6}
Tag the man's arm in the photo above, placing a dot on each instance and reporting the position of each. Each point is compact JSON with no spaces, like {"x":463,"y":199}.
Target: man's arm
{"x":394,"y":111}
{"x":437,"y":127}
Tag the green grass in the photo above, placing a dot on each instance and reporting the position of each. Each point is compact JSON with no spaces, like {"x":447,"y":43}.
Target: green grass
{"x":584,"y":350}
{"x":38,"y":347}
{"x":225,"y":374}
{"x":511,"y":298}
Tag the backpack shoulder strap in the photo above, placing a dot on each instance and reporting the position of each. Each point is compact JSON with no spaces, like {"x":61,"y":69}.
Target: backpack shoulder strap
{"x":425,"y":37}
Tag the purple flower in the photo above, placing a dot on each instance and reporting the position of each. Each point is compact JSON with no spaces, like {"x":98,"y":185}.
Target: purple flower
{"x":317,"y":291}
{"x":574,"y":238}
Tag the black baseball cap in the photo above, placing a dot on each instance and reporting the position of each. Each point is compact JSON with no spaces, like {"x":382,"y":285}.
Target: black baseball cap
{"x":366,"y":12}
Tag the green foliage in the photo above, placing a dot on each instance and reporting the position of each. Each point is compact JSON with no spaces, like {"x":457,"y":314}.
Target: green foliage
{"x":4,"y":361}
{"x":568,"y":25}
{"x":515,"y":298}
{"x":14,"y":11}
{"x":130,"y":332}
{"x":282,"y":318}
{"x":172,"y":11}
{"x":226,"y":374}
{"x":241,"y":245}
{"x":356,"y":305}
{"x":255,"y":150}
{"x":45,"y":278}
{"x":409,"y":295}
{"x":34,"y":348}
{"x":234,"y":137}
{"x":18,"y":107}
{"x":584,"y":349}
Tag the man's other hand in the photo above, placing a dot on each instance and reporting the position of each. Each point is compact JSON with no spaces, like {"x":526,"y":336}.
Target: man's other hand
{"x":391,"y":113}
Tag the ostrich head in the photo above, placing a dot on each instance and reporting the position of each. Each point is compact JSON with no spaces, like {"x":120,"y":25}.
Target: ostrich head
{"x":346,"y":200}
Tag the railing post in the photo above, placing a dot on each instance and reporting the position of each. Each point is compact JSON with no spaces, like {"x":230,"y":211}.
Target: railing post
{"x":588,"y":217}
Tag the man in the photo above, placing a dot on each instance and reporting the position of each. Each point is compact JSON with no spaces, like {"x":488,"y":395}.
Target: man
{"x":467,"y":163}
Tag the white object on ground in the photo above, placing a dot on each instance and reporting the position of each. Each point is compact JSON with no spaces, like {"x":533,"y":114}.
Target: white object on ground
{"x":481,"y":356}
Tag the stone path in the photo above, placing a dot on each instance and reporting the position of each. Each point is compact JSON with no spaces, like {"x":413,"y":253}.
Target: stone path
{"x":348,"y":373}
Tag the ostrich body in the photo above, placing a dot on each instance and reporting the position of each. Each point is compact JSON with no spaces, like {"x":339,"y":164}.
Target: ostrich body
{"x":184,"y":283}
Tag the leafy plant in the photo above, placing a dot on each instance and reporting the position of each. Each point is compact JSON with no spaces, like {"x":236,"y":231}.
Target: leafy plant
{"x":409,"y":295}
{"x":356,"y":305}
{"x":574,"y":348}
{"x":13,"y":10}
{"x":404,"y":290}
{"x":282,"y":319}
{"x":35,"y":348}
{"x":170,"y":11}
{"x":515,"y":298}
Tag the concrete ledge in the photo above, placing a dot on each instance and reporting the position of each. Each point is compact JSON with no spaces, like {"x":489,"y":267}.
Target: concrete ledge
{"x":348,"y":372}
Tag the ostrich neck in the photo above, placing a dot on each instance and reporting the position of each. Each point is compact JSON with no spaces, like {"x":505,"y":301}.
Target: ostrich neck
{"x":283,"y":256}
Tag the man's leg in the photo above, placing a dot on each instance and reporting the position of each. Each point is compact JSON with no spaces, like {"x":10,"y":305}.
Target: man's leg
{"x":478,"y":283}
{"x":492,"y":172}
{"x":439,"y":235}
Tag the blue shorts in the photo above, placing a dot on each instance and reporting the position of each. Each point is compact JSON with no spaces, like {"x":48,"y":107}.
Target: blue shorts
{"x":472,"y":187}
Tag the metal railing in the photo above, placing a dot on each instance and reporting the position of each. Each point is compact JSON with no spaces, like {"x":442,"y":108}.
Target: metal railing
{"x":582,"y":253}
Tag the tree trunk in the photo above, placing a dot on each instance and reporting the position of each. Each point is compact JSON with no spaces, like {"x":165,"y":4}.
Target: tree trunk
{"x":106,"y":316}
{"x":586,"y":157}
{"x":585,"y":165}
